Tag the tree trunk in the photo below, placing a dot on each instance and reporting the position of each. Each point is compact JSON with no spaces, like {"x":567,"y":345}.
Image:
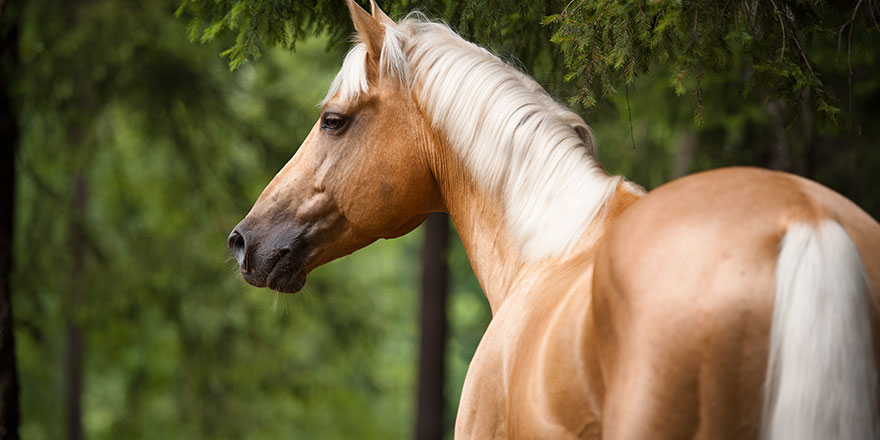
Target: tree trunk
{"x":681,"y":165}
{"x":779,"y":154}
{"x":74,"y":360}
{"x":429,"y":422}
{"x":9,"y":409}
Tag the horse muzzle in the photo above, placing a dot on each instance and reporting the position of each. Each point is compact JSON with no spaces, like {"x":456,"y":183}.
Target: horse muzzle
{"x":270,"y":257}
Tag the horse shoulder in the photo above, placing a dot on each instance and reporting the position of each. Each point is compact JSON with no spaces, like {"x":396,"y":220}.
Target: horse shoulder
{"x":560,"y":382}
{"x":534,"y":374}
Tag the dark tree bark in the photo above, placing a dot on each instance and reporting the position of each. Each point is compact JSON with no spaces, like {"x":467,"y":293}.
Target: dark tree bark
{"x":9,"y":409}
{"x":78,"y":127}
{"x":75,"y":344}
{"x":429,"y":422}
{"x":685,"y":157}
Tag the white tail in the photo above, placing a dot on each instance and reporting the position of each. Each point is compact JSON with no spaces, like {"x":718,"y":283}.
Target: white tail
{"x":821,"y":378}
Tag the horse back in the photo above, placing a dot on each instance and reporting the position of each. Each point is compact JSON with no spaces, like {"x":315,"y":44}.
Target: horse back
{"x":683,"y":297}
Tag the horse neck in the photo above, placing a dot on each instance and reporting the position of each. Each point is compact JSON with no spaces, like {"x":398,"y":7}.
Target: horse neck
{"x":499,"y":261}
{"x":479,"y":220}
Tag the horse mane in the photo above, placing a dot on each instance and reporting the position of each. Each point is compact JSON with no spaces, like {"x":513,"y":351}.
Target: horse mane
{"x":518,"y":142}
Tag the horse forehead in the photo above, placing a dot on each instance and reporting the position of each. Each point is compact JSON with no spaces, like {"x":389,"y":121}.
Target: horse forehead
{"x":388,"y":96}
{"x":337,"y":104}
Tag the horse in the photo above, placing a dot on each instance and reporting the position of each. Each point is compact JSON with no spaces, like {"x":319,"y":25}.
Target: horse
{"x":733,"y":303}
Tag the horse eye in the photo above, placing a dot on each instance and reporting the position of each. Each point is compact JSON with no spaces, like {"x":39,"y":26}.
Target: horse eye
{"x":333,"y":122}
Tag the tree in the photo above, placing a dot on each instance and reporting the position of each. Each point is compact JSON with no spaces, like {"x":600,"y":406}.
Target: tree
{"x":432,"y":346}
{"x":506,"y":26}
{"x":9,"y":406}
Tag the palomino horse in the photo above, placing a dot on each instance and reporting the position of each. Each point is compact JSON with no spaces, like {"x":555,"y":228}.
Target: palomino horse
{"x":735,"y":303}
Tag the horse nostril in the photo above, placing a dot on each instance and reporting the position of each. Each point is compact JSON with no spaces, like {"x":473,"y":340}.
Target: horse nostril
{"x":237,"y":245}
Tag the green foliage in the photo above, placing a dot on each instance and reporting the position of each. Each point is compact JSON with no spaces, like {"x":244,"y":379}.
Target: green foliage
{"x":509,"y":27}
{"x":761,"y":130}
{"x":612,"y":41}
{"x":262,"y":22}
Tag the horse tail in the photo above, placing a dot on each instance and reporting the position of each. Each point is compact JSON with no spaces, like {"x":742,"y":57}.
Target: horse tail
{"x":821,"y":380}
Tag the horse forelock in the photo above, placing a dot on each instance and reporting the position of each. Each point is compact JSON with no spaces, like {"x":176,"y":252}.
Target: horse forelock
{"x":352,"y":79}
{"x":518,"y":142}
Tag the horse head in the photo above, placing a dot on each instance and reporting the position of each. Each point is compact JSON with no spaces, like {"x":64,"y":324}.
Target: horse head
{"x":360,"y":175}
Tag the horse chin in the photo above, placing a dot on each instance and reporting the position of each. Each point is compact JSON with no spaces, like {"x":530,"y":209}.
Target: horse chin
{"x":287,"y":284}
{"x":287,"y":275}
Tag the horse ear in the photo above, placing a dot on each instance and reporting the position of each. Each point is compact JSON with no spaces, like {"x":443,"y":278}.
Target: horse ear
{"x":369,"y":30}
{"x":380,"y":15}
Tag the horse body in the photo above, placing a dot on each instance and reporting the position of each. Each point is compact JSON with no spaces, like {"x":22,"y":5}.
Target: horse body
{"x":638,"y":330}
{"x":615,"y":314}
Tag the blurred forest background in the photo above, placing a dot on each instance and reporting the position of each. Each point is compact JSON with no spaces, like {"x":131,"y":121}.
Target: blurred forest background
{"x":132,"y":149}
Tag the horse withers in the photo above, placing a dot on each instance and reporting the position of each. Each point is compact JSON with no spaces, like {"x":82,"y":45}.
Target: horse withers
{"x":734,"y":303}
